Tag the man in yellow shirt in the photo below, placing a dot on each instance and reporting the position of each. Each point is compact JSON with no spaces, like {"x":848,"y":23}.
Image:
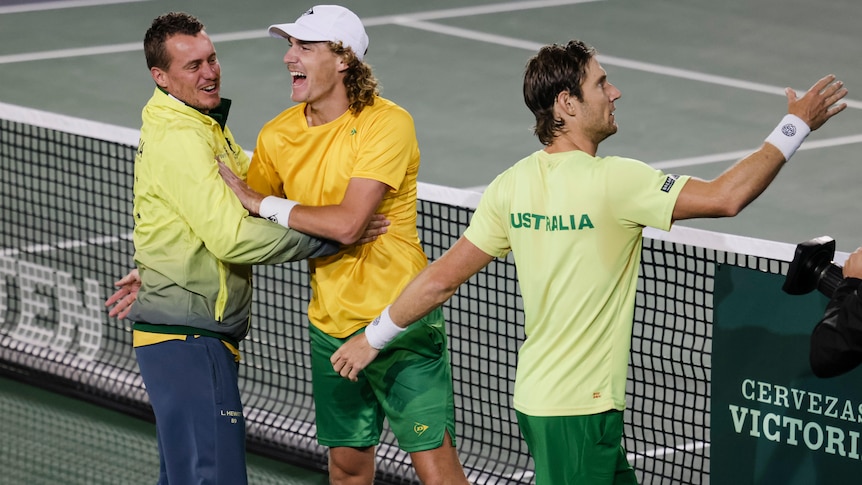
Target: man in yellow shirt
{"x":326,"y":166}
{"x":574,"y":223}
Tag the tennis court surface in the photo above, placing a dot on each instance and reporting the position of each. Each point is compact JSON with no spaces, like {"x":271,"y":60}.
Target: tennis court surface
{"x":701,"y":82}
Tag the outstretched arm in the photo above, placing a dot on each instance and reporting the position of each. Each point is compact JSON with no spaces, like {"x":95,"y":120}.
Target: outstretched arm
{"x":733,"y":190}
{"x":430,"y":289}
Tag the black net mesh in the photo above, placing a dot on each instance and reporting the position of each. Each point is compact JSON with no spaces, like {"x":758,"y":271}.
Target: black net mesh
{"x":66,"y":237}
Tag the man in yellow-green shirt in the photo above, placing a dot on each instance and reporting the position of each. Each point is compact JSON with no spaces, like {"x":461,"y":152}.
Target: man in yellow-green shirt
{"x":194,"y":247}
{"x":326,"y":166}
{"x":574,"y":223}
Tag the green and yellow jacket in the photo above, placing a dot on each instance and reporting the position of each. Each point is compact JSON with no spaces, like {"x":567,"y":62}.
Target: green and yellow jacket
{"x":194,"y":242}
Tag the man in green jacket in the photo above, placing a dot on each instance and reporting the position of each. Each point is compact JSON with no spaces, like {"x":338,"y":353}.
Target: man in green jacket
{"x":194,"y":247}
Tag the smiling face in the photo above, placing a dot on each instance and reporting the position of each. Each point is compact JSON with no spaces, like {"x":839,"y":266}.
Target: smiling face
{"x":193,"y":75}
{"x":316,"y":72}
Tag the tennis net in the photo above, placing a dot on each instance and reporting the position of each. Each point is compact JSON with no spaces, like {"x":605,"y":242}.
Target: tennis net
{"x":66,"y":237}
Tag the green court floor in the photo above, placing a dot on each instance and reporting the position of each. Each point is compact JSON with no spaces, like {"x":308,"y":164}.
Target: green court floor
{"x":701,"y":80}
{"x":50,"y":439}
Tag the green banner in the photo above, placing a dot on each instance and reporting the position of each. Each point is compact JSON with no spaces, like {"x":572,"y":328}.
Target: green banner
{"x":773,"y":422}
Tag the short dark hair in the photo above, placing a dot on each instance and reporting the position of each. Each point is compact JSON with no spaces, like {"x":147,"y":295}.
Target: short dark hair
{"x":553,"y":70}
{"x":163,"y":28}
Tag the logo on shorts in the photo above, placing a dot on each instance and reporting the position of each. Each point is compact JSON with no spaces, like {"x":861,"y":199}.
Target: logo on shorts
{"x":419,"y":428}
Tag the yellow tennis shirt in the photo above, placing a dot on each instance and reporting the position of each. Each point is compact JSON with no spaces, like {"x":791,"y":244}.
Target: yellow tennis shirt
{"x":574,"y":224}
{"x":313,"y":165}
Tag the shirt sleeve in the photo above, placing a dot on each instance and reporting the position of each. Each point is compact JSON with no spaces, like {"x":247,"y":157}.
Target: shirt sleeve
{"x":388,"y":148}
{"x":641,"y":195}
{"x":488,"y":228}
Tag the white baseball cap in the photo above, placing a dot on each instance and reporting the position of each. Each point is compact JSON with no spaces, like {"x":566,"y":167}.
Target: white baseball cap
{"x":331,"y":23}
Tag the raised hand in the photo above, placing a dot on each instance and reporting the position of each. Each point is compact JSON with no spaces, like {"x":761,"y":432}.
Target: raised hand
{"x":819,"y":103}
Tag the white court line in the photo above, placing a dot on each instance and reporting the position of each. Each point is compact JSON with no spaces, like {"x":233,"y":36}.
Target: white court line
{"x":68,"y":244}
{"x":77,"y":52}
{"x":408,"y":21}
{"x":471,"y":11}
{"x":32,"y":7}
{"x":261,"y":33}
{"x":664,"y":451}
{"x":733,"y":156}
{"x":706,"y":78}
{"x":416,"y":21}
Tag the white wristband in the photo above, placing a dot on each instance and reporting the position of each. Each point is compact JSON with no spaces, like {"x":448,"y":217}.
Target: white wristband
{"x":382,"y":330}
{"x":277,"y":209}
{"x":788,"y":135}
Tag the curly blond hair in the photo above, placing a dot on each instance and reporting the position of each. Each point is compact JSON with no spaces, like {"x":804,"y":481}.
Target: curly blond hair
{"x":362,"y":86}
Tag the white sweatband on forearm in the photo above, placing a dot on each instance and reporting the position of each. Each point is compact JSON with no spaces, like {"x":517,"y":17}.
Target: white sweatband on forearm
{"x":788,"y":135}
{"x":277,"y":209}
{"x":382,"y":330}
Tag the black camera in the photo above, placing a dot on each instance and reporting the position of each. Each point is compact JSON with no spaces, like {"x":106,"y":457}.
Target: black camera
{"x":812,"y":268}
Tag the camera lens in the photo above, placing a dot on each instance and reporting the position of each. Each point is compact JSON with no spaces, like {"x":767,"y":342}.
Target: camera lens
{"x":812,"y":268}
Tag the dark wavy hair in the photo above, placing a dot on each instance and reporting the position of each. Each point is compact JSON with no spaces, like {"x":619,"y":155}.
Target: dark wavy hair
{"x":362,"y":86}
{"x":163,"y":28}
{"x":553,"y":70}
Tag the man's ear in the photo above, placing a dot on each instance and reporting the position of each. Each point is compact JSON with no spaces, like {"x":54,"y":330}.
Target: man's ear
{"x":159,"y":76}
{"x":567,"y":103}
{"x":341,"y":63}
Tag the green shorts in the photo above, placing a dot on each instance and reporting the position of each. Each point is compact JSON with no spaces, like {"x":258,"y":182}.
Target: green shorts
{"x":575,"y":450}
{"x":409,"y":383}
